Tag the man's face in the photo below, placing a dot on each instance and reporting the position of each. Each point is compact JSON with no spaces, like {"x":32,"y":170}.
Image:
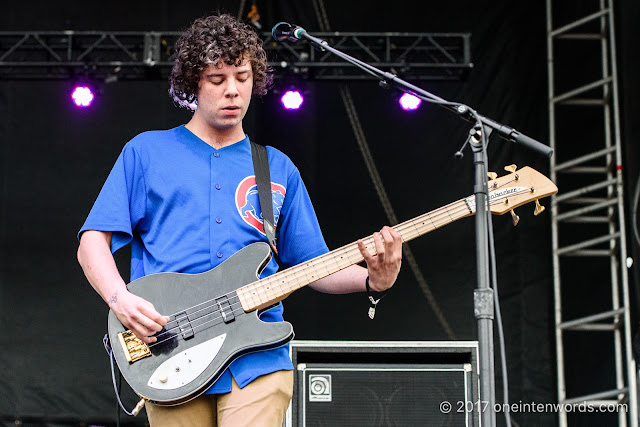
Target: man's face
{"x":224,"y":94}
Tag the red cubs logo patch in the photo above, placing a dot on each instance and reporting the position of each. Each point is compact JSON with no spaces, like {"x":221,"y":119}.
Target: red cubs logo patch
{"x":248,"y":202}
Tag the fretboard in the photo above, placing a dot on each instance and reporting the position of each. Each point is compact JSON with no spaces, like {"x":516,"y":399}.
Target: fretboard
{"x":268,"y":291}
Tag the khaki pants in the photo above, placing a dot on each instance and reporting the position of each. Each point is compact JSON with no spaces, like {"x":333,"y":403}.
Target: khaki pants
{"x":263,"y":402}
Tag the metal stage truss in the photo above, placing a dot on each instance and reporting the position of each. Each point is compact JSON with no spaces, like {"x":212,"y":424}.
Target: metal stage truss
{"x":138,"y":55}
{"x":588,"y":222}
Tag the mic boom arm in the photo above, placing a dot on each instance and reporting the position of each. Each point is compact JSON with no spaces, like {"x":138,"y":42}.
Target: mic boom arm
{"x":284,"y":31}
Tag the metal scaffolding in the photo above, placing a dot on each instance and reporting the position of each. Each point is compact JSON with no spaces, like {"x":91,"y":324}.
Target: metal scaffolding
{"x":135,"y":55}
{"x":588,"y":224}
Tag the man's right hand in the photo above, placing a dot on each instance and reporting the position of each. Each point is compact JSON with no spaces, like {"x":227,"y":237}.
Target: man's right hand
{"x":137,"y":314}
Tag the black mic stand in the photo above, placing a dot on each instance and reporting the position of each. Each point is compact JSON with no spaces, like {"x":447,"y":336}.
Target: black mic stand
{"x":478,"y":137}
{"x":483,"y":294}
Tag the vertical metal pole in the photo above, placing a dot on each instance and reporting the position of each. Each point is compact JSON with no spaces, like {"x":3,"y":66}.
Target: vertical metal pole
{"x":483,"y":295}
{"x":614,"y":261}
{"x":561,"y":386}
{"x":631,"y":365}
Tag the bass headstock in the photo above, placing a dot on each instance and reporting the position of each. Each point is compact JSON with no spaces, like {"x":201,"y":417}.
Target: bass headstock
{"x":518,"y":187}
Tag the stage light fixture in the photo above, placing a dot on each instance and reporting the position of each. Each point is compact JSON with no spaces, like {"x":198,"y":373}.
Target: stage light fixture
{"x":292,"y":100}
{"x":409,"y":102}
{"x":82,"y":96}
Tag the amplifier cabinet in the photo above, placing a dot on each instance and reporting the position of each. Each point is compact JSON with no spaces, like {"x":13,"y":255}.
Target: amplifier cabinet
{"x":384,"y":383}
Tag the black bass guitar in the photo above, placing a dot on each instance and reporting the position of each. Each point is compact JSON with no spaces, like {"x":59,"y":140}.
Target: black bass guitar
{"x":214,"y":315}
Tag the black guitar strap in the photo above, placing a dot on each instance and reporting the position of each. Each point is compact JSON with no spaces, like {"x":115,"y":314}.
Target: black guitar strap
{"x":263,"y":181}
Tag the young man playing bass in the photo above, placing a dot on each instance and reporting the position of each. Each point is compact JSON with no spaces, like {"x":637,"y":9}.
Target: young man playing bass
{"x":179,"y":197}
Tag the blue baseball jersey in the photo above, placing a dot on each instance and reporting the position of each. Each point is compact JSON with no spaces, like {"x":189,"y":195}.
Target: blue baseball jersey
{"x":185,"y":207}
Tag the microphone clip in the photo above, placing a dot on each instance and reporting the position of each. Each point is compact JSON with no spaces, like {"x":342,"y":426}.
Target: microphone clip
{"x":283,"y":31}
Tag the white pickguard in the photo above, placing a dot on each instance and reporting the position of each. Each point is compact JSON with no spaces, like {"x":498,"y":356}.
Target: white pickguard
{"x":184,"y":367}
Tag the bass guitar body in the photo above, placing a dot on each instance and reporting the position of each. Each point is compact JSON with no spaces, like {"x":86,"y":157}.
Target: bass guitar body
{"x":208,"y":329}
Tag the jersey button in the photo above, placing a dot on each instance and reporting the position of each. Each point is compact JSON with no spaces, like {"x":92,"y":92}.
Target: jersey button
{"x":218,"y":220}
{"x":216,"y":154}
{"x":219,"y":254}
{"x":218,"y":186}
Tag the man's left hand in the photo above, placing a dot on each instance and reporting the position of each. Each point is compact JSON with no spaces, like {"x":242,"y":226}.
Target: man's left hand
{"x":384,"y":265}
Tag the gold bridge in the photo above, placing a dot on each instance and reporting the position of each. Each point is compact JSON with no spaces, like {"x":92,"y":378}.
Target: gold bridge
{"x":133,"y":347}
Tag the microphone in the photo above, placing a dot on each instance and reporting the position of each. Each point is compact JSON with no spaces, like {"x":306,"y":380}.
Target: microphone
{"x":284,"y":31}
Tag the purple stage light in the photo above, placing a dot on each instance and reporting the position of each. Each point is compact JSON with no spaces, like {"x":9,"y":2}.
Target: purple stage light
{"x":292,"y":100}
{"x":82,"y":96}
{"x":409,"y":102}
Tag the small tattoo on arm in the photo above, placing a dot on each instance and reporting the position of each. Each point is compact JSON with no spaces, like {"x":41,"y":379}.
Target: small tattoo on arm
{"x":113,"y":299}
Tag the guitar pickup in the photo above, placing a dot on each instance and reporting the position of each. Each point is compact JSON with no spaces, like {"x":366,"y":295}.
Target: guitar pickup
{"x":184,"y":324}
{"x":226,"y":310}
{"x":133,"y":347}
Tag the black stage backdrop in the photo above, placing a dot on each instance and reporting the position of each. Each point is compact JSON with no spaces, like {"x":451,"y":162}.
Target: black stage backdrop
{"x":55,"y":159}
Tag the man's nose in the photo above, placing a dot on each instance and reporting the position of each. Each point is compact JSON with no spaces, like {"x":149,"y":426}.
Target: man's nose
{"x":232,"y":89}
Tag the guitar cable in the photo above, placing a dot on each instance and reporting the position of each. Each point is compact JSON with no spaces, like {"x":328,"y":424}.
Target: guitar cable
{"x":138,"y":407}
{"x":634,"y":222}
{"x":118,"y":413}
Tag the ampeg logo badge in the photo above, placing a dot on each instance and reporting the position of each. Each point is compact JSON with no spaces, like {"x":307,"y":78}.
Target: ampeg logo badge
{"x":319,"y":388}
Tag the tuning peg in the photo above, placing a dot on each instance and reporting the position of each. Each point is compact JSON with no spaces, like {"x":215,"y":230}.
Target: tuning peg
{"x":512,"y":169}
{"x":539,"y":208}
{"x":492,"y":175}
{"x":514,"y":217}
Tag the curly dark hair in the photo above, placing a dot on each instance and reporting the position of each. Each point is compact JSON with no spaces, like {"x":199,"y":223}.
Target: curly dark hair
{"x":208,"y":41}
